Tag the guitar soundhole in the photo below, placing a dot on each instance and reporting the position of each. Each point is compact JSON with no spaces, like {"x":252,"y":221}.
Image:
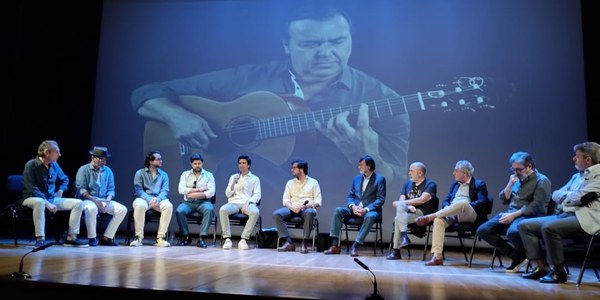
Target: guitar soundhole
{"x":243,"y":131}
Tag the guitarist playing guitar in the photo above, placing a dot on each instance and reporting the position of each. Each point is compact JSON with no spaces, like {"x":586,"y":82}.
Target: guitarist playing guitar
{"x":312,"y":106}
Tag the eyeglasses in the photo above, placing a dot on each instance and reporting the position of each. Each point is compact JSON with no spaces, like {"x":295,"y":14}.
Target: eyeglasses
{"x":194,"y":184}
{"x":518,"y":170}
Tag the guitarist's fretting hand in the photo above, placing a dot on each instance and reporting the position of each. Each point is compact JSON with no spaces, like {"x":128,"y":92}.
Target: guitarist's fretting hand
{"x":188,"y":128}
{"x":353,"y":142}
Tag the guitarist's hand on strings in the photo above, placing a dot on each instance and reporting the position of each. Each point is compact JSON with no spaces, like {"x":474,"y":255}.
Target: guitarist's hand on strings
{"x":188,"y":128}
{"x":353,"y":142}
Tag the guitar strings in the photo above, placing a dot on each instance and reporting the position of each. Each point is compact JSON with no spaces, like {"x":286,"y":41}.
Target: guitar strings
{"x":287,"y":125}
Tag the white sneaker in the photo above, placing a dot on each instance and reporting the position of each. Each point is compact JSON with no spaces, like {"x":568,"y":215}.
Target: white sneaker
{"x":161,"y":242}
{"x":227,"y":244}
{"x":242,"y":245}
{"x":137,"y":242}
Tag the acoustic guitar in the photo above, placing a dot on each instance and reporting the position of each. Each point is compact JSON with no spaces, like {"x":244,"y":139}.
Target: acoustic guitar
{"x":268,"y":125}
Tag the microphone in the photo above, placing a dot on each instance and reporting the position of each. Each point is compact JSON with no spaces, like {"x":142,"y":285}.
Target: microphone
{"x":43,"y":247}
{"x":20,"y":273}
{"x":360,"y":263}
{"x":375,"y":295}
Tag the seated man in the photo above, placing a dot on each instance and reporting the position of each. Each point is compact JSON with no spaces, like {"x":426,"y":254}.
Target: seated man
{"x":44,"y":183}
{"x":467,"y":202}
{"x":197,"y":187}
{"x":95,"y":184}
{"x":418,"y":198}
{"x":528,"y":192}
{"x":301,"y":197}
{"x":581,"y":208}
{"x":243,"y":195}
{"x":151,"y":186}
{"x":366,"y":197}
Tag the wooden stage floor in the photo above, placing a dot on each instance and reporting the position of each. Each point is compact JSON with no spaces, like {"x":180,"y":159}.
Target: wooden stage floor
{"x":266,"y":273}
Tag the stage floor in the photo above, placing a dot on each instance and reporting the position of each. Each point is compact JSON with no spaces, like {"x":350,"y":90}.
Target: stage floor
{"x":268,"y":273}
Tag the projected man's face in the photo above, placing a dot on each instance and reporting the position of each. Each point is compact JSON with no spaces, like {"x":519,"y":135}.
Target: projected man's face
{"x":319,"y":49}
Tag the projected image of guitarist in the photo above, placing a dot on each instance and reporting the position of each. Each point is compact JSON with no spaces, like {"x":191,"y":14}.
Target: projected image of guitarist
{"x":313,"y":105}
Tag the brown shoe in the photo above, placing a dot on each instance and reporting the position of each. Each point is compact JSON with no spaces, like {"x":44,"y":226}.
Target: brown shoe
{"x":422,"y":221}
{"x":394,"y":254}
{"x":287,"y":247}
{"x":333,"y":250}
{"x":435,"y":262}
{"x":303,"y":248}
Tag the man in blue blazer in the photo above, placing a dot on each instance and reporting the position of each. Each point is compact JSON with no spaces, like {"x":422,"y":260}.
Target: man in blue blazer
{"x":467,"y":202}
{"x":366,"y":197}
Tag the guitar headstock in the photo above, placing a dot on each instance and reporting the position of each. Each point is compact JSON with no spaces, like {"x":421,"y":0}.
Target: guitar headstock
{"x":465,"y":94}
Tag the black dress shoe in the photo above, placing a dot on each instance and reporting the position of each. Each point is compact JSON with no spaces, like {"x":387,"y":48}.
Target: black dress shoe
{"x":536,"y":274}
{"x":554,"y":277}
{"x":185,"y":240}
{"x":202,"y":244}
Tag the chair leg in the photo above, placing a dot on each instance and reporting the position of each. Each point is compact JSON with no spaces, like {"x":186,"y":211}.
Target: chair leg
{"x":587,"y":253}
{"x":426,"y":242}
{"x":14,"y":226}
{"x":347,"y":239}
{"x":315,"y":234}
{"x":462,"y":246}
{"x":473,"y":250}
{"x":380,"y":225}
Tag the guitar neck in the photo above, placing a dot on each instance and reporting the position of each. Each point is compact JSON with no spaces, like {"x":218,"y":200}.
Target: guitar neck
{"x":378,"y":109}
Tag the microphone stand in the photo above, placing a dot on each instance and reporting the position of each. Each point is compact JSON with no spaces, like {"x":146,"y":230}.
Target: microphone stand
{"x":20,"y":273}
{"x":375,"y":295}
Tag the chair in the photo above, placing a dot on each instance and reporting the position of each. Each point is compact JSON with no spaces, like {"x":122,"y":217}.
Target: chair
{"x":581,"y":239}
{"x":240,"y":219}
{"x":297,"y":222}
{"x":20,"y":213}
{"x":468,"y":231}
{"x":418,"y":231}
{"x":550,"y":211}
{"x":153,"y":216}
{"x":353,"y":223}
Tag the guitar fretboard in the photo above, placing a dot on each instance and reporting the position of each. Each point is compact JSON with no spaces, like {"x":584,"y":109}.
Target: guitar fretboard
{"x":378,"y":109}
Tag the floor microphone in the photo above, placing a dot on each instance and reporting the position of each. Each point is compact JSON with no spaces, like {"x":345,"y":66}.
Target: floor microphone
{"x":20,"y":273}
{"x":375,"y":295}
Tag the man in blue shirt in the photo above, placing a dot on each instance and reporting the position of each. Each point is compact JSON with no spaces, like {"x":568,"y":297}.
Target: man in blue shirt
{"x":44,"y":184}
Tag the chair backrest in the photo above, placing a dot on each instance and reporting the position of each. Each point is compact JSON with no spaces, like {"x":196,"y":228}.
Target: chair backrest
{"x":14,"y":188}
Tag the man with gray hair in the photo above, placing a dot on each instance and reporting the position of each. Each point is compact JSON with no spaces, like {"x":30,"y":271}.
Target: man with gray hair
{"x":44,"y":184}
{"x":467,"y":202}
{"x":580,"y":211}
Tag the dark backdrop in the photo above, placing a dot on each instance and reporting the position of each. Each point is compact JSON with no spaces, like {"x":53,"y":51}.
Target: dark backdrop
{"x":49,"y":56}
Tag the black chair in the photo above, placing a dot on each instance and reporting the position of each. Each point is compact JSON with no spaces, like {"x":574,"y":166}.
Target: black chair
{"x":240,"y":219}
{"x":550,"y":211}
{"x":468,"y":231}
{"x":589,"y":242}
{"x":353,"y":223}
{"x":297,"y":222}
{"x":418,"y":231}
{"x":19,"y":213}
